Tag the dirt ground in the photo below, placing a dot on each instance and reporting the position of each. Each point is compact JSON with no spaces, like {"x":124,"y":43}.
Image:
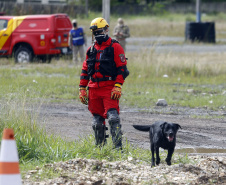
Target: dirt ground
{"x":206,"y":136}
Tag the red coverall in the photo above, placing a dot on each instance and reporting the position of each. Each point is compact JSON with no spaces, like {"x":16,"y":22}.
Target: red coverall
{"x":100,"y":92}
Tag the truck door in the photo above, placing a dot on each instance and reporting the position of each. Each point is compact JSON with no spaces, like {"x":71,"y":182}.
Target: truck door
{"x":5,"y":36}
{"x":63,"y":26}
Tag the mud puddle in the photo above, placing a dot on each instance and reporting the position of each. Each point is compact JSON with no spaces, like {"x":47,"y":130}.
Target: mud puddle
{"x":200,"y":150}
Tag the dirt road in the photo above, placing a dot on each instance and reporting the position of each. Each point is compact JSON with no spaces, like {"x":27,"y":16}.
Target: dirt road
{"x":160,"y":46}
{"x":197,"y":135}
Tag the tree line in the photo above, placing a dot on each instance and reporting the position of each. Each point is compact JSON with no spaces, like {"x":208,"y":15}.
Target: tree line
{"x":136,"y":2}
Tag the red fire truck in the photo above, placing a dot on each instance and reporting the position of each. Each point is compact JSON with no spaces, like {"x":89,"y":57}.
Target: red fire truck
{"x":29,"y":36}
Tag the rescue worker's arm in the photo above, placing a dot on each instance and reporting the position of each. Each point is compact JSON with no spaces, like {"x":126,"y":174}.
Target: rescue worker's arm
{"x":84,"y":80}
{"x":83,"y":95}
{"x":120,"y":60}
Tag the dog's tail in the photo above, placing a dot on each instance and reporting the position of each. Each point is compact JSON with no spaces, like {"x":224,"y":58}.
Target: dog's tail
{"x":144,"y":128}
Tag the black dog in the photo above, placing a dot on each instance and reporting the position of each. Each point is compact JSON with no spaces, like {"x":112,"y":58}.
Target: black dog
{"x":162,"y":134}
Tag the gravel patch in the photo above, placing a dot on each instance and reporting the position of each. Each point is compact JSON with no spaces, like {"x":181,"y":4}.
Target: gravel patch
{"x":206,"y":170}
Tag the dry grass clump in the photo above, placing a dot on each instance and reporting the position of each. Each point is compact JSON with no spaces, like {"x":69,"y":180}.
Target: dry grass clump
{"x":171,"y":25}
{"x":148,"y":27}
{"x":195,"y":64}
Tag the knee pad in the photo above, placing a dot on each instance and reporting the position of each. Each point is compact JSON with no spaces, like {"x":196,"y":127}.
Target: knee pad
{"x":113,"y":117}
{"x":98,"y":122}
{"x":116,"y":132}
{"x":99,"y":129}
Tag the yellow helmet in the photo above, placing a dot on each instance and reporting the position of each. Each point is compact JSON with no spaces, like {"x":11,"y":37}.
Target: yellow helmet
{"x":97,"y":23}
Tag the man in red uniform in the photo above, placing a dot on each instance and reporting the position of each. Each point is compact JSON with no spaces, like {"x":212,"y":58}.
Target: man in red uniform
{"x":104,"y":72}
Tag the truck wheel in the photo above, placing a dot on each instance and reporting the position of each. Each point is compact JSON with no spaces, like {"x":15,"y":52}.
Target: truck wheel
{"x":23,"y":55}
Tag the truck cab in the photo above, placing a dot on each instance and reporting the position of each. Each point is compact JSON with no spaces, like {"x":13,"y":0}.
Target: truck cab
{"x":29,"y":36}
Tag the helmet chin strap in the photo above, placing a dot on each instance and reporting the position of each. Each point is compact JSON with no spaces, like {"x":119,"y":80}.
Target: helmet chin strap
{"x":105,"y":32}
{"x":101,"y":33}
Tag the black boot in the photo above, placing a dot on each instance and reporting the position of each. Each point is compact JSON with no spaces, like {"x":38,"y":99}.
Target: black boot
{"x":99,"y":130}
{"x":116,"y":133}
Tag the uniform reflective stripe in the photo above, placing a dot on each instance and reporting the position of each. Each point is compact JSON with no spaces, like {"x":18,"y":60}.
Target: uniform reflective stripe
{"x":77,"y":38}
{"x":12,"y":25}
{"x":9,"y":155}
{"x":10,"y":179}
{"x":9,"y":168}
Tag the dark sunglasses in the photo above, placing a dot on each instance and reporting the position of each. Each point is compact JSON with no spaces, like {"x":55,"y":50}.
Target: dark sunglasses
{"x":97,"y":32}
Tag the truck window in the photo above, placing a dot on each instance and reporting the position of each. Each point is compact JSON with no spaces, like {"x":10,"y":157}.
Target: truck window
{"x":62,"y":23}
{"x":33,"y":24}
{"x":3,"y":24}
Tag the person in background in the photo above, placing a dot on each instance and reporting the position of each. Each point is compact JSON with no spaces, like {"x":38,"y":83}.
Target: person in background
{"x":77,"y":40}
{"x":121,"y":32}
{"x":104,"y":72}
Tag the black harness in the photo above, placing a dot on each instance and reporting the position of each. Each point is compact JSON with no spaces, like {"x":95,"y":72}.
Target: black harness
{"x":107,"y":65}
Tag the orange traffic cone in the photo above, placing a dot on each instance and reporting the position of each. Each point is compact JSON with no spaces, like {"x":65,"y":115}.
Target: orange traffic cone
{"x":9,"y":160}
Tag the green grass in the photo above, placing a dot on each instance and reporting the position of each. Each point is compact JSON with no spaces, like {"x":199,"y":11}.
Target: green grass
{"x":40,"y":81}
{"x":196,"y":80}
{"x":146,"y":83}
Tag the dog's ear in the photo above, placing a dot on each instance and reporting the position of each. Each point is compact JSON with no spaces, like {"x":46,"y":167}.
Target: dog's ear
{"x":163,"y":125}
{"x":178,"y":126}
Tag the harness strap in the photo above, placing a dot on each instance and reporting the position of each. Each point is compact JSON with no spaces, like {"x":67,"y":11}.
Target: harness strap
{"x":84,"y":77}
{"x":84,"y":71}
{"x":101,"y":79}
{"x":99,"y":51}
{"x":92,"y":50}
{"x":119,"y":70}
{"x":103,"y":60}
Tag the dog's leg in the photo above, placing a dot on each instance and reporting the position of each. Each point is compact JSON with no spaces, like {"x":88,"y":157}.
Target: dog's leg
{"x":169,"y":156}
{"x":157,"y":155}
{"x":153,"y":155}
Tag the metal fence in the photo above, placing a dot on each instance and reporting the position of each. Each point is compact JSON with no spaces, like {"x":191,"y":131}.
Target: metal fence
{"x":37,"y":1}
{"x":12,"y":7}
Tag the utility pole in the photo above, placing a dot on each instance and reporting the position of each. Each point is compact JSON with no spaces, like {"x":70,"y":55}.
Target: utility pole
{"x":198,"y":10}
{"x":106,"y":10}
{"x":87,"y":13}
